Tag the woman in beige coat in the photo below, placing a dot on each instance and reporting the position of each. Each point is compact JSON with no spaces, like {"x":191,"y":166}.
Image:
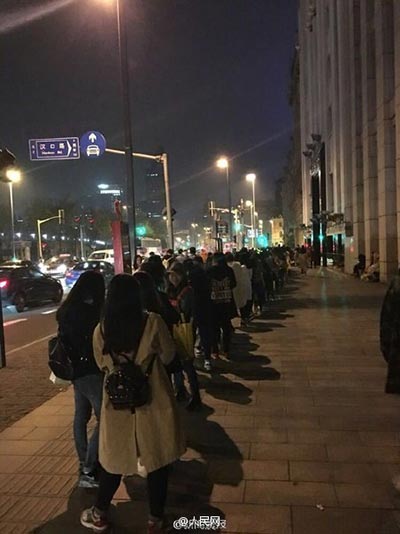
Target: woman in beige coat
{"x":153,"y":433}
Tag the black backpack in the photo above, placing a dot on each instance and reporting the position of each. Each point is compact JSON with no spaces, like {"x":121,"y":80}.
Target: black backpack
{"x":128,"y":385}
{"x":60,"y":359}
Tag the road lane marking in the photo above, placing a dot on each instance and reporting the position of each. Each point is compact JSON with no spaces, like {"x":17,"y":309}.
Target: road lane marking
{"x":15,"y":321}
{"x":49,"y":311}
{"x":30,"y":344}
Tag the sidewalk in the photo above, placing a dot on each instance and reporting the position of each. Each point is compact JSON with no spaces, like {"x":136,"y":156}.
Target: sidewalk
{"x":297,"y":436}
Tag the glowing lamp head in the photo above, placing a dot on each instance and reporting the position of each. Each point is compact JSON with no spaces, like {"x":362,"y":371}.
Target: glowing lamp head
{"x":13,"y":175}
{"x":248,"y":204}
{"x":251,"y":178}
{"x":223,"y":163}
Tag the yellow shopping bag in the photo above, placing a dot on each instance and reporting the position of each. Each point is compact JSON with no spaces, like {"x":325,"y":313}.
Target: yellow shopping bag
{"x":184,"y":339}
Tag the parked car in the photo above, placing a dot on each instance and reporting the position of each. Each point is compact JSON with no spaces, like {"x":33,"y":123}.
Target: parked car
{"x":103,"y":267}
{"x":106,"y":255}
{"x":25,"y":286}
{"x":57,"y":266}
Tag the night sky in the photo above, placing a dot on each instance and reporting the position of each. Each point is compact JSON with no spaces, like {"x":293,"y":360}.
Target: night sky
{"x":208,"y":77}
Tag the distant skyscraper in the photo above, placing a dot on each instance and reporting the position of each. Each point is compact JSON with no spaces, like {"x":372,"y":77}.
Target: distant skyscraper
{"x":154,"y":191}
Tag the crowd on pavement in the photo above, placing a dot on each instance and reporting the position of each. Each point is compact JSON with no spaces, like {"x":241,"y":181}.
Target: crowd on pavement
{"x":134,"y":349}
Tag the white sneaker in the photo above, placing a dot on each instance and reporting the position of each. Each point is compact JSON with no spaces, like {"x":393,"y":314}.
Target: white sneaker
{"x":207,"y":365}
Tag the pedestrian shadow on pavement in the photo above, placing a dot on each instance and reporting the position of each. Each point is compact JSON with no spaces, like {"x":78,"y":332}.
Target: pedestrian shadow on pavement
{"x":216,"y":462}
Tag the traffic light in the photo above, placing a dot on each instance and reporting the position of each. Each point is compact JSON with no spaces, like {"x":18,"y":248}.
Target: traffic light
{"x":141,"y":231}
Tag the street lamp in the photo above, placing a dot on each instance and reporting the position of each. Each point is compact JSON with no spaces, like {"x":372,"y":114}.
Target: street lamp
{"x":128,"y":148}
{"x":13,"y":177}
{"x":223,"y":163}
{"x":251,"y":178}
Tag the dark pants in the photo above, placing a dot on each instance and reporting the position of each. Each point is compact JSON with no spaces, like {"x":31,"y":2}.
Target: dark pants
{"x":245,"y":312}
{"x":193,"y":380}
{"x":259,"y":294}
{"x":205,"y":333}
{"x":221,"y":322}
{"x":157,"y":487}
{"x":88,"y":391}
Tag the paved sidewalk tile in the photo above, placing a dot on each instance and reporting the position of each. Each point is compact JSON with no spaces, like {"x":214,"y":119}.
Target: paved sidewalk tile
{"x":296,"y":436}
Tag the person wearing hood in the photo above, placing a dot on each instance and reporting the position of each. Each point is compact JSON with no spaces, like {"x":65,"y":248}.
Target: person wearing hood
{"x":222,"y":283}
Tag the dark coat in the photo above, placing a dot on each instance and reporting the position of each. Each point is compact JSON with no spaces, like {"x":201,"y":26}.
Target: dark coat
{"x":76,"y":326}
{"x":390,"y":335}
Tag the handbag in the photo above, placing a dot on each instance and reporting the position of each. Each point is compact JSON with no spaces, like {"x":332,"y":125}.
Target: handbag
{"x":184,"y":339}
{"x":60,"y":361}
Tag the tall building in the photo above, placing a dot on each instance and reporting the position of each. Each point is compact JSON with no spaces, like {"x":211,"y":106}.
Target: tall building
{"x":154,"y":202}
{"x":350,"y":137}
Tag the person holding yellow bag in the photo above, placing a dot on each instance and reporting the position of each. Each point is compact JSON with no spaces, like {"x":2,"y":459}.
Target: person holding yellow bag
{"x":181,"y":297}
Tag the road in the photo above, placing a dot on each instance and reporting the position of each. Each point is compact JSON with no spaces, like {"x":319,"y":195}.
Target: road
{"x":24,"y":382}
{"x":22,"y":329}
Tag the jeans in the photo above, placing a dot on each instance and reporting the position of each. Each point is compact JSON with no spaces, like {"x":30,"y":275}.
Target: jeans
{"x":157,"y":488}
{"x":88,"y":392}
{"x":191,"y":374}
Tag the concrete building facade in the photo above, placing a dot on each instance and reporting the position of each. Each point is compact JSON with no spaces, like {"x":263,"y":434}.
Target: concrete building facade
{"x":349,"y":54}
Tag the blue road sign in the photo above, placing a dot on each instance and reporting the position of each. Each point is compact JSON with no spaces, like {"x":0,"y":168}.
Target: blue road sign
{"x":93,"y":144}
{"x":53,"y":149}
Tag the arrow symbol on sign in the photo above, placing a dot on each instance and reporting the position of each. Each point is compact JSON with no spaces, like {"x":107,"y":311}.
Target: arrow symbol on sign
{"x":92,"y":137}
{"x":69,"y":148}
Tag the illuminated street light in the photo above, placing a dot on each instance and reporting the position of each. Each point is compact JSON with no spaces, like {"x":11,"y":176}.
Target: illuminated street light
{"x":13,"y":175}
{"x":103,"y":186}
{"x":223,"y":163}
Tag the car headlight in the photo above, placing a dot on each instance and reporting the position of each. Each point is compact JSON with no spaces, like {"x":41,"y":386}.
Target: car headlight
{"x":61,"y":268}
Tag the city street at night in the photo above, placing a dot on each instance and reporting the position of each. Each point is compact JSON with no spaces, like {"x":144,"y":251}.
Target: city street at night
{"x":297,"y":434}
{"x":200,"y":266}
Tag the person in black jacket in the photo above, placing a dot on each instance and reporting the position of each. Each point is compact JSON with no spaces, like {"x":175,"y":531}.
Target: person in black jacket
{"x":222,"y":282}
{"x":200,"y":284}
{"x":77,"y":318}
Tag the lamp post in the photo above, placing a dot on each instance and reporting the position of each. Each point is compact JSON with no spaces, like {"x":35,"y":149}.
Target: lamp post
{"x":223,"y":163}
{"x":128,"y":149}
{"x":13,"y":176}
{"x":251,"y":178}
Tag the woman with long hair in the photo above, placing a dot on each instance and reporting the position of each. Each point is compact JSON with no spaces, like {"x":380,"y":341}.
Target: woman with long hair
{"x":154,"y":300}
{"x":152,"y":433}
{"x":77,"y":318}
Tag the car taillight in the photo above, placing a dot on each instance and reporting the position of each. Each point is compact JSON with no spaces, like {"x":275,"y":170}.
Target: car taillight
{"x":3,"y":284}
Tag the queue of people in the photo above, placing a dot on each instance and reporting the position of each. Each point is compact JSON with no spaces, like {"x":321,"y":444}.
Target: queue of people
{"x":134,"y":349}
